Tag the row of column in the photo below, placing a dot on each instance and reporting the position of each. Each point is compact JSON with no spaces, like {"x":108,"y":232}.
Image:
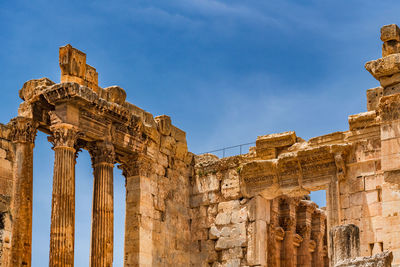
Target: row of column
{"x":62,"y":233}
{"x":297,"y":234}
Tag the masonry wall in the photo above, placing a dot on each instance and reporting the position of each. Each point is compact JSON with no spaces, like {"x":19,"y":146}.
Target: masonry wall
{"x":6,"y":182}
{"x":230,"y":229}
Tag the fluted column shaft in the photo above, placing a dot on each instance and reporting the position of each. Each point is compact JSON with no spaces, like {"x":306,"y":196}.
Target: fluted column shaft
{"x":101,"y":252}
{"x":23,"y":135}
{"x":62,"y":232}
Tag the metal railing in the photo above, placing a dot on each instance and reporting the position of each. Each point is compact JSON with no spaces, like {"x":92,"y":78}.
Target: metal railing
{"x":223,"y":150}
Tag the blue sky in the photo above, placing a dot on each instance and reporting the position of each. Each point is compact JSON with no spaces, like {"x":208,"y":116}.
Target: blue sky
{"x":225,"y":72}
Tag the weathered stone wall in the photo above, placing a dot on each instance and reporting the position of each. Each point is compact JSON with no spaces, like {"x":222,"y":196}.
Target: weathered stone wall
{"x":230,"y":229}
{"x":6,"y":183}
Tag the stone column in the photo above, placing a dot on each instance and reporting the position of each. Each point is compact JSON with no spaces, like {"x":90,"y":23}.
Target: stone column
{"x":139,"y":207}
{"x":291,"y":240}
{"x":101,"y":249}
{"x":275,"y":237}
{"x":23,"y":132}
{"x":304,"y":219}
{"x":317,"y":234}
{"x":62,"y":232}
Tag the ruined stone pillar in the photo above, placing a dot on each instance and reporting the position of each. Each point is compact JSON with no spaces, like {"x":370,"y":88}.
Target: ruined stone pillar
{"x":304,"y":218}
{"x":139,"y":207}
{"x":317,"y":234}
{"x":101,"y":249}
{"x":291,"y":240}
{"x":62,"y":232}
{"x":23,"y":132}
{"x":346,"y":242}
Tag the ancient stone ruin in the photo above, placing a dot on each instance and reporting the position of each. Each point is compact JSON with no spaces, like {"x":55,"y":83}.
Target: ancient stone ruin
{"x":199,"y":210}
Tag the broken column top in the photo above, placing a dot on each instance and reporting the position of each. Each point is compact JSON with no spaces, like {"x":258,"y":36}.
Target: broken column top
{"x":387,"y":69}
{"x":74,"y":69}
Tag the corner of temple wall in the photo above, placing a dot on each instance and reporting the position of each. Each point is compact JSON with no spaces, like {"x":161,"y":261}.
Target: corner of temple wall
{"x":6,"y":185}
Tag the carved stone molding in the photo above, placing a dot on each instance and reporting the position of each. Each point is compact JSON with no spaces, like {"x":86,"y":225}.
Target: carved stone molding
{"x":101,"y":152}
{"x":340,"y":166}
{"x":64,"y":135}
{"x":136,"y":165}
{"x":23,"y":130}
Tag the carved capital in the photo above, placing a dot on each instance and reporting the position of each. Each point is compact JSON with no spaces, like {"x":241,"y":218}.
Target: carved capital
{"x":304,"y":231}
{"x":136,"y":165}
{"x":23,"y":130}
{"x":64,"y":135}
{"x":101,"y":152}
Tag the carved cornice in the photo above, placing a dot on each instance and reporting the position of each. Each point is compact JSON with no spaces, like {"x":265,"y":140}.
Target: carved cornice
{"x":136,"y":165}
{"x":64,"y":135}
{"x":101,"y":152}
{"x":23,"y":130}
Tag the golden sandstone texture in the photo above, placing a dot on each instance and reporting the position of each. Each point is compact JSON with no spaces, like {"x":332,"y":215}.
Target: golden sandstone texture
{"x":199,"y":210}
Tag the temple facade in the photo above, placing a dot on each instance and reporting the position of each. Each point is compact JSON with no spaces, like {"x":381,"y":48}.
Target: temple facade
{"x":184,"y":209}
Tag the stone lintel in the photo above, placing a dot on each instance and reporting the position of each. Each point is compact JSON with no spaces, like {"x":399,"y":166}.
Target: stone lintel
{"x":363,"y":120}
{"x":267,"y":146}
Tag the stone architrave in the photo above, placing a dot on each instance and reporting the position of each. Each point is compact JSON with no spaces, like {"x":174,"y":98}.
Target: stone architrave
{"x":103,"y":158}
{"x":62,"y":233}
{"x":138,"y":247}
{"x":23,"y":136}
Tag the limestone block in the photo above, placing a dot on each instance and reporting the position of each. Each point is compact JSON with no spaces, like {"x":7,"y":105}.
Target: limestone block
{"x":33,"y":87}
{"x":390,"y":84}
{"x":178,"y":134}
{"x":390,"y":32}
{"x":181,"y":150}
{"x":230,"y":263}
{"x":257,"y":243}
{"x":232,"y":253}
{"x":228,"y":206}
{"x":266,"y":145}
{"x":357,"y":199}
{"x":383,"y":259}
{"x":346,"y":242}
{"x":390,"y":130}
{"x":223,"y":218}
{"x":230,"y":187}
{"x":164,"y":124}
{"x":356,"y":185}
{"x":234,"y":236}
{"x":115,"y":94}
{"x":72,"y":63}
{"x":373,"y":97}
{"x":385,"y":66}
{"x":206,"y":183}
{"x":168,"y":143}
{"x":362,"y":120}
{"x":259,"y":209}
{"x":239,"y":216}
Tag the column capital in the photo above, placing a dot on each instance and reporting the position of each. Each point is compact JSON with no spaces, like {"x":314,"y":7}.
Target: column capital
{"x":23,"y":130}
{"x":64,"y":135}
{"x":101,"y":152}
{"x":136,"y":165}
